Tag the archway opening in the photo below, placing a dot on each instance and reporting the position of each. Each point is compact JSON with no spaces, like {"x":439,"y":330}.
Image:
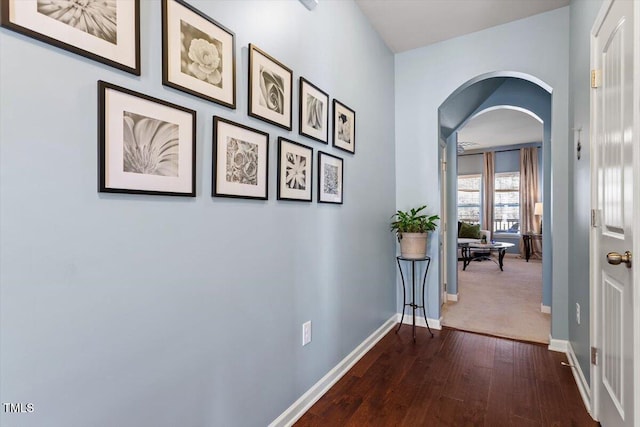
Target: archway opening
{"x":515,"y":93}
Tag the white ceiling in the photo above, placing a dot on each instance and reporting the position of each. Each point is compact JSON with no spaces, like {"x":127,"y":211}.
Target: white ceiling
{"x":409,"y":24}
{"x":495,"y":128}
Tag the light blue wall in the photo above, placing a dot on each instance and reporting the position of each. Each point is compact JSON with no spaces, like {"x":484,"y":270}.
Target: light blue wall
{"x":583,"y":15}
{"x":537,"y":46}
{"x":121,"y":310}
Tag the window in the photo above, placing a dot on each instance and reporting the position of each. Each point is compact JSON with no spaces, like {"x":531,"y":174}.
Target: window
{"x":469,"y":198}
{"x":506,"y":212}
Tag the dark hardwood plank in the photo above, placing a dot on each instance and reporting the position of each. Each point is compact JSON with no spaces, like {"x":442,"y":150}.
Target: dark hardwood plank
{"x":499,"y":403}
{"x":555,"y":410}
{"x":525,"y":401}
{"x":454,"y":379}
{"x":517,"y":421}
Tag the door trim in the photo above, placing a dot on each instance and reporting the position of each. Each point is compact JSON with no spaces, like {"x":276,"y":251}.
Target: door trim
{"x":636,"y":205}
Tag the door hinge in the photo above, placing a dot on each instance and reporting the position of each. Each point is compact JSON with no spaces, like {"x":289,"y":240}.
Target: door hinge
{"x":595,"y":218}
{"x":596,"y":76}
{"x":594,"y":356}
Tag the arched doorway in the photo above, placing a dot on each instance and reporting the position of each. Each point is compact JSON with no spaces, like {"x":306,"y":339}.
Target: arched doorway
{"x":513,"y":90}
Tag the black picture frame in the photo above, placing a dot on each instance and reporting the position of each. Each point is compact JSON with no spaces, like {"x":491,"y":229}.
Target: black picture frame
{"x":270,"y":89}
{"x":344,"y":127}
{"x":330,"y":178}
{"x":198,"y":54}
{"x":295,"y":171}
{"x":145,"y":145}
{"x":240,"y":167}
{"x":115,"y":42}
{"x":313,"y":107}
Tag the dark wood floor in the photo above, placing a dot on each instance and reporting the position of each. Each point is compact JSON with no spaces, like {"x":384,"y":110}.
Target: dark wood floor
{"x":455,"y":379}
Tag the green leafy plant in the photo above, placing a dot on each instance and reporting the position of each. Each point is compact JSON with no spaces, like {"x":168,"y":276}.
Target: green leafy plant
{"x":413,"y":221}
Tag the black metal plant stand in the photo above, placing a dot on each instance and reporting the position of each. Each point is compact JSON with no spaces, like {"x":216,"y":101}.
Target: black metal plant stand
{"x":413,"y":304}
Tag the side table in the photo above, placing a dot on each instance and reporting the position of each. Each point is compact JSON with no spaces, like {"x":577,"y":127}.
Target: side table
{"x":527,"y":238}
{"x":413,"y":304}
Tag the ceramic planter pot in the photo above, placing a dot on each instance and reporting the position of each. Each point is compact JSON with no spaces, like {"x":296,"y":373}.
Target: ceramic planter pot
{"x":413,"y":245}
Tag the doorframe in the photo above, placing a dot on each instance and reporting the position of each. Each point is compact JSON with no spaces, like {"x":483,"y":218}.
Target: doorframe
{"x":442,"y":246}
{"x":595,"y":333}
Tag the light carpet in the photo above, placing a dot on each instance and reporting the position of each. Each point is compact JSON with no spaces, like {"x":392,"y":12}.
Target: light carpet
{"x":501,"y":303}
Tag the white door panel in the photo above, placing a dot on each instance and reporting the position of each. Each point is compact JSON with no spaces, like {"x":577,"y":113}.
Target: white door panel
{"x":613,"y":145}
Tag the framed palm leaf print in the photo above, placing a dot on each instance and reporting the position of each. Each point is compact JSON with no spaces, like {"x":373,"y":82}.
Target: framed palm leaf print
{"x":295,"y":171}
{"x":314,"y":111}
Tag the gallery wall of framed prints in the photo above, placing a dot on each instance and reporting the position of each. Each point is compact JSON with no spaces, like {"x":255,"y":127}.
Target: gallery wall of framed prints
{"x":147,"y":145}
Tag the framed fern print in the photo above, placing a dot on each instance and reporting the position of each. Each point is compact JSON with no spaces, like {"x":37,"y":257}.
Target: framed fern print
{"x":330,"y":178}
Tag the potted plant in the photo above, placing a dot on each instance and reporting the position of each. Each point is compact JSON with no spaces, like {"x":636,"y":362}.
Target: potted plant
{"x":412,"y":228}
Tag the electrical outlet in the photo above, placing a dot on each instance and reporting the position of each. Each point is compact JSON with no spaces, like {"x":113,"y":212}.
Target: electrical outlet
{"x":578,"y":313}
{"x":306,"y":332}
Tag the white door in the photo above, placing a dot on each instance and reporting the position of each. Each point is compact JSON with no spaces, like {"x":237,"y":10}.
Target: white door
{"x":613,"y":145}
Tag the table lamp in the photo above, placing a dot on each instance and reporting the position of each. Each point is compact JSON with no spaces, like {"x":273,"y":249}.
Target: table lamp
{"x":537,"y":210}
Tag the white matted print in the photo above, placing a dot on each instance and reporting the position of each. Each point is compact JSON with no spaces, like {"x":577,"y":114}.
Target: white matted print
{"x":295,"y":170}
{"x":270,"y":84}
{"x":330,"y":178}
{"x":147,"y":146}
{"x":344,"y":127}
{"x":198,"y":54}
{"x":107,"y":30}
{"x":314,"y":112}
{"x":240,"y":161}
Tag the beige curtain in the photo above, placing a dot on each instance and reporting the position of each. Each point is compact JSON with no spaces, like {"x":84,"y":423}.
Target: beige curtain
{"x":529,"y":195}
{"x":488,"y":177}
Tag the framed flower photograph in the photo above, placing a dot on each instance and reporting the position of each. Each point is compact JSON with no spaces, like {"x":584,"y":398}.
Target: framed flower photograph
{"x":240,"y":161}
{"x":270,"y":85}
{"x":330,"y":178}
{"x":344,"y":127}
{"x":198,"y":54}
{"x":107,"y":31}
{"x":314,"y":112}
{"x":295,"y":171}
{"x":145,"y":145}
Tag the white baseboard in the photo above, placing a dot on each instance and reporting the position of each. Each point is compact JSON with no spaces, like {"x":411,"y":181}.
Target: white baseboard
{"x":581,"y":382}
{"x":452,"y":297}
{"x":545,"y":308}
{"x":300,"y":406}
{"x":558,"y":345}
{"x":408,"y":320}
